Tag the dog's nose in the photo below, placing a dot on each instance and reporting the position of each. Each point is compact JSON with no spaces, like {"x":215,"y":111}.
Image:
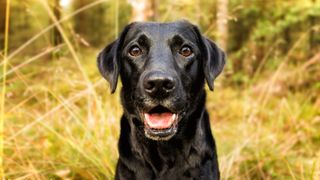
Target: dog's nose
{"x":158,"y":84}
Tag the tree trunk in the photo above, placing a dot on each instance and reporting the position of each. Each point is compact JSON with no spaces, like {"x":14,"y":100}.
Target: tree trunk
{"x":3,"y":5}
{"x":144,"y":10}
{"x":154,"y":10}
{"x":56,"y":36}
{"x":222,"y":23}
{"x":312,"y":43}
{"x":80,"y":20}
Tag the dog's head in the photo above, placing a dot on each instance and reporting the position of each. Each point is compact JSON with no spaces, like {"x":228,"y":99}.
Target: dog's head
{"x":162,"y":68}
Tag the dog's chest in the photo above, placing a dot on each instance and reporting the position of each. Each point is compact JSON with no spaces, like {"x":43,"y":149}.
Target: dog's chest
{"x":162,"y":165}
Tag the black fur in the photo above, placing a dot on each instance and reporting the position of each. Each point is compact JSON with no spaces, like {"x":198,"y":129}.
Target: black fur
{"x":189,"y":152}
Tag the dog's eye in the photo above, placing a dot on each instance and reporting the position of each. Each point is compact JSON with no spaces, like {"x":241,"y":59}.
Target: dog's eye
{"x":135,"y":51}
{"x":186,"y":51}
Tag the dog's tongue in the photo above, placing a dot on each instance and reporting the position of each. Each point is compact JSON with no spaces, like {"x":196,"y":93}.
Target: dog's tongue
{"x":159,"y":120}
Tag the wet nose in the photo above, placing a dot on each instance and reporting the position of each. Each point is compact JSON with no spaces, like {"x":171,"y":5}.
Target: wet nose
{"x":158,"y":84}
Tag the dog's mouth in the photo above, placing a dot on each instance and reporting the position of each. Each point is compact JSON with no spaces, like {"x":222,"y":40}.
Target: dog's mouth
{"x":160,"y":123}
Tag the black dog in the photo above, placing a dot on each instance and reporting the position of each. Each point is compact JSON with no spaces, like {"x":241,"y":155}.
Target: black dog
{"x":165,"y":129}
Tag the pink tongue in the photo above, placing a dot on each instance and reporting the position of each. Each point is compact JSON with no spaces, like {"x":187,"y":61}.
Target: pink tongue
{"x":159,"y":120}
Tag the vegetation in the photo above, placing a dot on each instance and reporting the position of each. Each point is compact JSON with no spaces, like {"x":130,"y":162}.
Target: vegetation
{"x":60,"y":121}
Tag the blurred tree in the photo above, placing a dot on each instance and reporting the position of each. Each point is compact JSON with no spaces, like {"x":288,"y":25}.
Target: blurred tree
{"x":222,"y":23}
{"x":312,"y":20}
{"x":100,"y":23}
{"x":2,"y":22}
{"x":154,"y":10}
{"x":20,"y":19}
{"x":90,"y":25}
{"x":144,"y":10}
{"x":56,"y":36}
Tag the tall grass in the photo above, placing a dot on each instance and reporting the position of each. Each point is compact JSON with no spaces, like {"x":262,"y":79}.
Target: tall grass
{"x":61,"y":122}
{"x":3,"y":92}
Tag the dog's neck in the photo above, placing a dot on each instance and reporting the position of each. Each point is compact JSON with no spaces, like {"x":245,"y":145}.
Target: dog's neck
{"x":161,"y":154}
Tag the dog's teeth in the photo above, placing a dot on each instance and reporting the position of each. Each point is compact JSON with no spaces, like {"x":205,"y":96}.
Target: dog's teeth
{"x":174,"y":117}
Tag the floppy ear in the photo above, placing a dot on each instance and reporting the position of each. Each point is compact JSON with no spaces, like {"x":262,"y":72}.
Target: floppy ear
{"x":108,"y":60}
{"x":213,"y":62}
{"x":108,"y":64}
{"x":213,"y":58}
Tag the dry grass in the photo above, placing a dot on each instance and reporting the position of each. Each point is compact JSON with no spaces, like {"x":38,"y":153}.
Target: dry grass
{"x":54,"y":127}
{"x":62,"y":123}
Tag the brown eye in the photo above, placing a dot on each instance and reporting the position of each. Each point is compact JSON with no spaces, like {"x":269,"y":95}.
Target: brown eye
{"x":135,"y":51}
{"x":185,"y":51}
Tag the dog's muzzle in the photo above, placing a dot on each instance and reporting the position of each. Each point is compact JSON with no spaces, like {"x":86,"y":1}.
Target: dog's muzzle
{"x":160,"y":123}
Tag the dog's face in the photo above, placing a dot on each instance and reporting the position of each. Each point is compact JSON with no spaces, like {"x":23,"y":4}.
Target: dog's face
{"x":162,"y":68}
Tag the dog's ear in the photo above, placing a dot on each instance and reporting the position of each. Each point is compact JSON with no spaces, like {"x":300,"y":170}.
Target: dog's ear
{"x":108,"y":64}
{"x":108,"y":59}
{"x":213,"y":62}
{"x":213,"y":58}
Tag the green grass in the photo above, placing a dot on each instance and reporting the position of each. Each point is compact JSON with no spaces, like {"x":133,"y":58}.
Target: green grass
{"x":58,"y":127}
